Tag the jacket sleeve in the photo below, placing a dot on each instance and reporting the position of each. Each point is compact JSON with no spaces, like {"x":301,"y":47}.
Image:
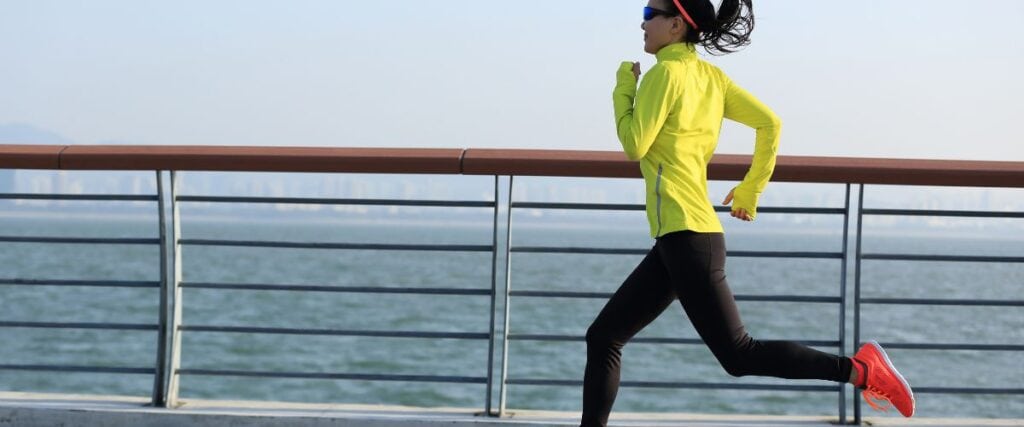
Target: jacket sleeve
{"x":640,"y":114}
{"x":744,"y":108}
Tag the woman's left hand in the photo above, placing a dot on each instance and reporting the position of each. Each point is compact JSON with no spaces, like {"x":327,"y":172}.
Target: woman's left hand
{"x":736,"y":212}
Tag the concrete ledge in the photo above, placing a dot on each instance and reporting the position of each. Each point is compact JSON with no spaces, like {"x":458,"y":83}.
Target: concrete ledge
{"x":32,"y":409}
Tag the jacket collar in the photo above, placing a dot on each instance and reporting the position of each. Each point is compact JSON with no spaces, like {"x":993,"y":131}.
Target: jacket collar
{"x":677,"y":51}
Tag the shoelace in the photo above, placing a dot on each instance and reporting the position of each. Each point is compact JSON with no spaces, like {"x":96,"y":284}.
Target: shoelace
{"x":874,"y":395}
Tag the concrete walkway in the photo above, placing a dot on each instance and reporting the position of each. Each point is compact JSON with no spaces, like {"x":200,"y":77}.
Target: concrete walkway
{"x":33,"y":409}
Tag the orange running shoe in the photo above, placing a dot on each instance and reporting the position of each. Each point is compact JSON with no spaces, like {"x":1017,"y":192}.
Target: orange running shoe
{"x":881,"y":381}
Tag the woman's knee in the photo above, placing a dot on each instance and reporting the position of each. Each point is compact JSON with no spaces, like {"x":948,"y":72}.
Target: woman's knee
{"x":600,"y":337}
{"x":737,"y":360}
{"x":736,"y":366}
{"x":595,"y":335}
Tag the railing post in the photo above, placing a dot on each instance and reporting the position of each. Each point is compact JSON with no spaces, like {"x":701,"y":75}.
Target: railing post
{"x":856,"y":293}
{"x":159,"y":391}
{"x":842,"y":299}
{"x":174,"y":383}
{"x":494,"y":296}
{"x":508,"y":295}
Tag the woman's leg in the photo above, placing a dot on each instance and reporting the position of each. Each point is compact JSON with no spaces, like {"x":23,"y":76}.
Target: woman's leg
{"x":642,"y":297}
{"x":696,"y":265}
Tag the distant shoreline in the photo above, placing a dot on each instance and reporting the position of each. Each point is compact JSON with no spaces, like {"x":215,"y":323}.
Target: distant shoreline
{"x":768,"y":229}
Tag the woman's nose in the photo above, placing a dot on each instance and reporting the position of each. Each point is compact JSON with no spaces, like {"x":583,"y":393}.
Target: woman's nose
{"x":643,"y":26}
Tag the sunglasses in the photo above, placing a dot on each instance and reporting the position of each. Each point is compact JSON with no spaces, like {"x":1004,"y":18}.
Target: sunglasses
{"x":650,"y":13}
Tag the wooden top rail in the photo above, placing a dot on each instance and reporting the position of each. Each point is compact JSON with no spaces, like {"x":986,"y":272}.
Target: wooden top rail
{"x":606,"y":164}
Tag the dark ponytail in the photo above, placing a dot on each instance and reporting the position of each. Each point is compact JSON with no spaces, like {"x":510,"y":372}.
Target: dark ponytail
{"x":725,"y":33}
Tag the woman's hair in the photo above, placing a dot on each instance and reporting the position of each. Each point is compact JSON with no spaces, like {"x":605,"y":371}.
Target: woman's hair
{"x":726,"y":32}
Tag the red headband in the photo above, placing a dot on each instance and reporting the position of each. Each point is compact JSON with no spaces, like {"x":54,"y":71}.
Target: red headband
{"x":686,"y":16}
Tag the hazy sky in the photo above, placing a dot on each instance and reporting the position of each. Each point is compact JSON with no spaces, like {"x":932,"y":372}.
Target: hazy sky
{"x":907,"y":78}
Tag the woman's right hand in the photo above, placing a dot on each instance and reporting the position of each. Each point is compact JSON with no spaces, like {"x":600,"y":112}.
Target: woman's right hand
{"x":636,"y":70}
{"x":737,"y":212}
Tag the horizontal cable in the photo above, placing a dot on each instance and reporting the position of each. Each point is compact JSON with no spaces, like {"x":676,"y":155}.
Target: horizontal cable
{"x":682,"y":385}
{"x":334,"y":376}
{"x":627,"y":251}
{"x":106,"y":197}
{"x":606,"y":295}
{"x":72,"y":368}
{"x":770,"y":254}
{"x":789,"y":298}
{"x":78,"y":240}
{"x":580,"y":206}
{"x":336,"y":332}
{"x":967,"y":390}
{"x":357,"y":246}
{"x":955,"y":302}
{"x":909,"y":257}
{"x":581,"y":338}
{"x":345,"y":289}
{"x":79,"y":325}
{"x":323,"y":201}
{"x":943,"y":213}
{"x":954,"y":346}
{"x":577,"y":250}
{"x":82,"y":283}
{"x":555,"y":294}
{"x":826,"y":211}
{"x":640,"y":207}
{"x":645,"y":340}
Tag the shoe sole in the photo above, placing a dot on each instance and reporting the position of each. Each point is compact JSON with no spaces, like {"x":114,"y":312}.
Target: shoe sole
{"x":888,"y":363}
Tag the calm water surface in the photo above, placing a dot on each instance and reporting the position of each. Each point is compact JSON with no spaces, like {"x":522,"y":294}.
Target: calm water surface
{"x":446,"y":313}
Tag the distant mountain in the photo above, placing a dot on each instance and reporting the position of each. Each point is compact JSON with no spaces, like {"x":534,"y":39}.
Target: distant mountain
{"x":23,"y":133}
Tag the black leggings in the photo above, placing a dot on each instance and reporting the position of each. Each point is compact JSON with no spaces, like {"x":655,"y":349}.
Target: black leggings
{"x":690,"y":267}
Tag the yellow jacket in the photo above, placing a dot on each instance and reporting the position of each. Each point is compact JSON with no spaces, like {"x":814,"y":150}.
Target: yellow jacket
{"x":671,"y":125}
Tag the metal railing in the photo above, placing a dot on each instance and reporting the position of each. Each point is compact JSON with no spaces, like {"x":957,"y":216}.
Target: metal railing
{"x":839,"y":299}
{"x":860,"y":300}
{"x":171,"y":325}
{"x":158,"y":371}
{"x":179,"y":284}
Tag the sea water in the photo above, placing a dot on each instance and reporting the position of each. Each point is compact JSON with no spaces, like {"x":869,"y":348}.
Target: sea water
{"x":548,"y":360}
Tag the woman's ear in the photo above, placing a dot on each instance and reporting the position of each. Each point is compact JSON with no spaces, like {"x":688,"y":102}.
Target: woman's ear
{"x":679,"y":26}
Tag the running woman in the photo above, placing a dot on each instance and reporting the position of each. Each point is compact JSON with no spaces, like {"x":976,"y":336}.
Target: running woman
{"x":670,"y":124}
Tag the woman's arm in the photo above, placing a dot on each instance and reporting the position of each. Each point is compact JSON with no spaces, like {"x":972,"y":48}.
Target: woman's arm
{"x":640,"y":114}
{"x":744,"y":108}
